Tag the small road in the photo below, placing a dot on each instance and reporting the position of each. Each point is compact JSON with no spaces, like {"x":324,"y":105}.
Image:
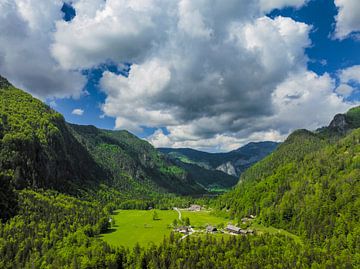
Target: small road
{"x":177,"y":209}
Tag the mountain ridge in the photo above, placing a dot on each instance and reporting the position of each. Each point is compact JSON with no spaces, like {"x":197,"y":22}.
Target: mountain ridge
{"x":308,"y":186}
{"x":232,"y":163}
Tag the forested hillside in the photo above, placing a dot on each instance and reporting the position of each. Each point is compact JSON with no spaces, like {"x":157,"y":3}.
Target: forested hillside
{"x":309,"y":186}
{"x":133,"y":163}
{"x":39,"y":149}
{"x":59,"y":184}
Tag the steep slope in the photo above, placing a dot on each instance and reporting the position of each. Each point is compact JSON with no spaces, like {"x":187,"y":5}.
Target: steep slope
{"x":232,"y":163}
{"x":134,"y":163}
{"x":212,"y":180}
{"x":38,"y":149}
{"x":310,"y":186}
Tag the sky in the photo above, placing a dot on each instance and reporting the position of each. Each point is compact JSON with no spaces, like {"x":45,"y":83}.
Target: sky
{"x":206,"y":74}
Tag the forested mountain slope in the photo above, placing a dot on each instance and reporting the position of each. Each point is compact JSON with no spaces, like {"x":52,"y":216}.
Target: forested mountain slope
{"x":38,"y":149}
{"x":134,"y":163}
{"x":310,"y":186}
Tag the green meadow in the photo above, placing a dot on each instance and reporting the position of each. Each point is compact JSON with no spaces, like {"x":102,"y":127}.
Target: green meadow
{"x":138,"y":226}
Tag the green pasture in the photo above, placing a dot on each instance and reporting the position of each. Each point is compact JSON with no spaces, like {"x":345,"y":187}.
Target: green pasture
{"x":132,"y":226}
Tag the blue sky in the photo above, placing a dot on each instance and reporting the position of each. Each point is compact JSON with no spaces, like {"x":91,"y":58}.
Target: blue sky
{"x":207,"y":75}
{"x":326,"y":54}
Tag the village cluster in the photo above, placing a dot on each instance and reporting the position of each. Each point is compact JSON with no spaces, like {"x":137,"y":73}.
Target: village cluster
{"x":229,"y":229}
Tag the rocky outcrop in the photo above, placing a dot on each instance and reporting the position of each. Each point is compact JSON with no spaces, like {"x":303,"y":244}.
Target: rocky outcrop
{"x":339,"y":123}
{"x":227,"y":168}
{"x":4,"y":83}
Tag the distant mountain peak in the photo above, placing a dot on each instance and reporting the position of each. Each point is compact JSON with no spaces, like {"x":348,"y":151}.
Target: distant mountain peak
{"x":4,"y":83}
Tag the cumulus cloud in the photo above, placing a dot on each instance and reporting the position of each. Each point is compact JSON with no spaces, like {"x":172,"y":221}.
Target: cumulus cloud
{"x":306,"y":99}
{"x":344,"y":90}
{"x":303,"y":100}
{"x":25,"y":59}
{"x":216,"y":74}
{"x":350,"y":74}
{"x":78,"y":112}
{"x":347,"y":19}
{"x":349,"y":80}
{"x":210,"y":85}
{"x":268,"y":5}
{"x":219,"y":142}
{"x":212,"y":73}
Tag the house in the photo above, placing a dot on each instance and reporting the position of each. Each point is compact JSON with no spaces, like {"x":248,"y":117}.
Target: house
{"x":182,"y":229}
{"x":211,"y":229}
{"x":245,"y":220}
{"x":243,"y":232}
{"x":250,"y":231}
{"x":195,"y":208}
{"x":233,"y":229}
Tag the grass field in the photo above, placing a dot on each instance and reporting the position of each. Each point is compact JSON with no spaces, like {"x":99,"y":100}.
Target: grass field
{"x":132,"y":226}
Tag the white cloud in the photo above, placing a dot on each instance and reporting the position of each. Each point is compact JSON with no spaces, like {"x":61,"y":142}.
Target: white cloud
{"x":220,"y":142}
{"x":78,"y":112}
{"x":120,"y":30}
{"x":303,"y":100}
{"x":306,"y":100}
{"x":347,"y":19}
{"x":268,"y":5}
{"x":350,"y":74}
{"x":25,"y":36}
{"x":216,"y":74}
{"x":349,"y":80}
{"x":202,"y":88}
{"x":344,"y":90}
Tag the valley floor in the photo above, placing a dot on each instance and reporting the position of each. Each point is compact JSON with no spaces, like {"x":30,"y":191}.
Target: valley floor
{"x":137,"y":226}
{"x":130,"y":227}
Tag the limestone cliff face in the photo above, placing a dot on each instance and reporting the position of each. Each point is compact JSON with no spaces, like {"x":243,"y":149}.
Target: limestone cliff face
{"x":339,"y":123}
{"x":343,"y":123}
{"x":232,"y":163}
{"x":227,"y":168}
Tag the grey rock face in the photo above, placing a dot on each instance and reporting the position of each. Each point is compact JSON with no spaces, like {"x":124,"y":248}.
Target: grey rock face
{"x":227,"y":168}
{"x":339,"y":122}
{"x":4,"y":83}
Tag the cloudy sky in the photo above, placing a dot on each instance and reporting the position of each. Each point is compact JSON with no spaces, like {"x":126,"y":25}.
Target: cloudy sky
{"x":207,"y":74}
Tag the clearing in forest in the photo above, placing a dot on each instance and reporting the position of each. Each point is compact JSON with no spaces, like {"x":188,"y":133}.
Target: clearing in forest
{"x":132,"y":226}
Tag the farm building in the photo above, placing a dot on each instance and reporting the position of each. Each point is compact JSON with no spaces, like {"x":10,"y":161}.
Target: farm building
{"x":233,"y":229}
{"x":211,"y":229}
{"x":195,"y":208}
{"x":182,"y":229}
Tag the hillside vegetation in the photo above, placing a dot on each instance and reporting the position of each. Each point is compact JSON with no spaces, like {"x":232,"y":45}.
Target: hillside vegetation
{"x":60,"y":183}
{"x":310,"y":186}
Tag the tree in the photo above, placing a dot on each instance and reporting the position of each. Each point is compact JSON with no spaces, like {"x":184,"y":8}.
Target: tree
{"x":155,"y":215}
{"x":187,"y":221}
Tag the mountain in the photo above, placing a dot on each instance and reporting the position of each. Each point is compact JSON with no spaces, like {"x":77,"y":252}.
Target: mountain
{"x":38,"y":149}
{"x":310,"y":186}
{"x":232,"y":163}
{"x":342,"y":123}
{"x":134,"y":163}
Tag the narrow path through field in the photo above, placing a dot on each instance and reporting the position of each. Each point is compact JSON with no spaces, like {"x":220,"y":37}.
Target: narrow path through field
{"x":176,"y":209}
{"x":182,"y":238}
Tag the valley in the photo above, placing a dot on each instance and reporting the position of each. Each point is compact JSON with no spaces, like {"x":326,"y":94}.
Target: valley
{"x":138,"y":226}
{"x":76,"y":196}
